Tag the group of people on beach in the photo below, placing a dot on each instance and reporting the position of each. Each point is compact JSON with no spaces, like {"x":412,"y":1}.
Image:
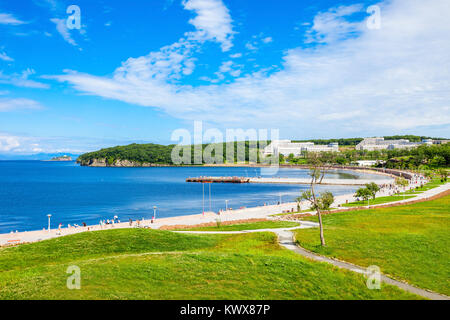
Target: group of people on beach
{"x":104,"y":223}
{"x":111,"y":222}
{"x":415,"y":181}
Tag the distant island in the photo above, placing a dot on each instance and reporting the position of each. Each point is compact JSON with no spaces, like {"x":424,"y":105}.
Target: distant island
{"x":61,"y":158}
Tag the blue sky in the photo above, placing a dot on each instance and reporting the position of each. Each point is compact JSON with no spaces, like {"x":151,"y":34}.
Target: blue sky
{"x":137,"y":70}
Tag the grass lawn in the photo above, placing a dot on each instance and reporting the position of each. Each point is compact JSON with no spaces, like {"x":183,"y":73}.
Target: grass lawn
{"x":296,"y":212}
{"x":248,"y":226}
{"x":435,"y":182}
{"x":379,"y":200}
{"x":151,"y":264}
{"x":410,"y":242}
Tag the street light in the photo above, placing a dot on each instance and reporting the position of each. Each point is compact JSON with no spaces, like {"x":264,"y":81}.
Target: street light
{"x":280,"y":198}
{"x":226,"y":205}
{"x":154,"y":212}
{"x":49,"y":216}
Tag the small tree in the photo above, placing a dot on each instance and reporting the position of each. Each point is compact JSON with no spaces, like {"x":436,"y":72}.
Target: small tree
{"x":443,"y":174}
{"x":402,"y":182}
{"x":319,"y":203}
{"x":428,"y":174}
{"x":326,"y":199}
{"x":291,"y":158}
{"x":363,"y":193}
{"x":373,"y":188}
{"x":299,"y":202}
{"x":317,"y":172}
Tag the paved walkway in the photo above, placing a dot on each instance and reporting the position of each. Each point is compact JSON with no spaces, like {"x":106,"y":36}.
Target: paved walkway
{"x":286,"y":239}
{"x":338,"y":182}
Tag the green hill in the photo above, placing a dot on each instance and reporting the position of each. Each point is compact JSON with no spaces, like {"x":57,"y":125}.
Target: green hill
{"x":157,"y":154}
{"x":152,"y":264}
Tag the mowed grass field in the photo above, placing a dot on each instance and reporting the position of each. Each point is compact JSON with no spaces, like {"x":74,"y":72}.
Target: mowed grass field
{"x":247,"y":226}
{"x":152,"y":264}
{"x":410,"y":242}
{"x":379,"y":200}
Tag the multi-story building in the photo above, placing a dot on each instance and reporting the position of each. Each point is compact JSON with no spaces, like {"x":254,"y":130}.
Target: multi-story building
{"x":372,"y":144}
{"x":286,"y":148}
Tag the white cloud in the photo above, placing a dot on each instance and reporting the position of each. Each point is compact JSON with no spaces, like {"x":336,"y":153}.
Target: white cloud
{"x":394,"y":78}
{"x":171,"y":62}
{"x":7,"y":18}
{"x":21,"y":80}
{"x":20,"y":144}
{"x":61,"y":27}
{"x":257,"y":40}
{"x":5,"y":57}
{"x":236,"y":55}
{"x":13,"y":104}
{"x":8,"y":143}
{"x":332,"y":25}
{"x":251,"y":46}
{"x":212,"y":21}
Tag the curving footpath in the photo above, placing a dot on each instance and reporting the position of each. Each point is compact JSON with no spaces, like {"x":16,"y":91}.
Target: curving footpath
{"x":286,"y":239}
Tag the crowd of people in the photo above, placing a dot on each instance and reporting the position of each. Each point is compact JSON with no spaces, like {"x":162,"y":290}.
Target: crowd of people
{"x":104,"y":224}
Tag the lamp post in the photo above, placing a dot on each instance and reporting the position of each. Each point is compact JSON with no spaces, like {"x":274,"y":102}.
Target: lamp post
{"x":49,"y":216}
{"x":154,"y":212}
{"x":203,"y":199}
{"x":226,"y":205}
{"x":280,"y":198}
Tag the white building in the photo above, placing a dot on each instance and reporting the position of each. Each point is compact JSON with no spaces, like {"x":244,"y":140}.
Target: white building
{"x":286,"y":147}
{"x":368,"y":163}
{"x":372,"y":144}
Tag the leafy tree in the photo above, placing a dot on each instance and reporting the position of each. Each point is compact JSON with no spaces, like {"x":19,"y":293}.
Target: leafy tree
{"x":322,"y":202}
{"x":402,"y":182}
{"x":325,"y":200}
{"x":363,"y":193}
{"x":443,"y":174}
{"x":428,"y":174}
{"x":291,"y":158}
{"x":438,"y":161}
{"x":299,"y":202}
{"x":373,"y":188}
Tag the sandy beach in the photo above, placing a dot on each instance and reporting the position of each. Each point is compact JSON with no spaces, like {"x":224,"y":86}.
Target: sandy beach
{"x":260,"y":212}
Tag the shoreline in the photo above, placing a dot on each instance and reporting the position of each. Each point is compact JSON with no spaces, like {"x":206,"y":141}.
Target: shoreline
{"x":258,"y":212}
{"x":237,"y":214}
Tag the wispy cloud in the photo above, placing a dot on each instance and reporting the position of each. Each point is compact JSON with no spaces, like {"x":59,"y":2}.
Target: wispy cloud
{"x":61,"y":27}
{"x":257,"y":40}
{"x":7,"y":18}
{"x":5,"y":57}
{"x":22,"y":80}
{"x":14,"y":104}
{"x":333,"y":25}
{"x":53,"y":5}
{"x":212,"y":21}
{"x":20,"y":144}
{"x":385,"y":79}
